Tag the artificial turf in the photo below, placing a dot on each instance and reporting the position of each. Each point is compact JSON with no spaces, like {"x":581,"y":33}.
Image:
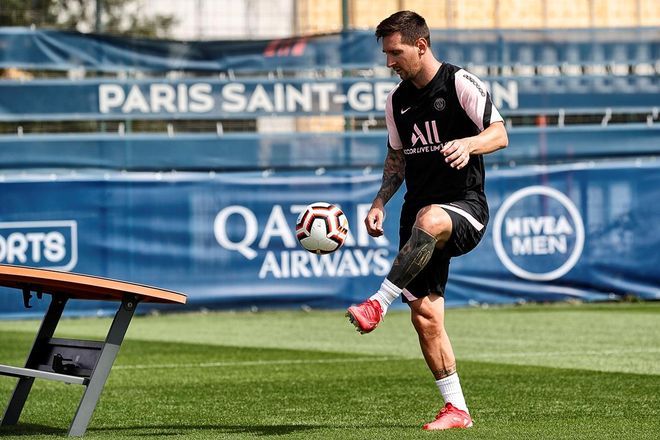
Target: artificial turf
{"x":531,"y":372}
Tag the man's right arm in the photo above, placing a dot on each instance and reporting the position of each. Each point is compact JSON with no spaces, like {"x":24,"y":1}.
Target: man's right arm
{"x":393,"y":174}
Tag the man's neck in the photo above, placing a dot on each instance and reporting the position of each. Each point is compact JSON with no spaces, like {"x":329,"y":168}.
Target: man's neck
{"x":427,"y":73}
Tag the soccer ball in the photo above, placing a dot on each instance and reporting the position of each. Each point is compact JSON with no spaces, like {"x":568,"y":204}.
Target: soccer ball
{"x":321,"y":228}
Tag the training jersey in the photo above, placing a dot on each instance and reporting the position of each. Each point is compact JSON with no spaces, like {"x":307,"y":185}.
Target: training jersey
{"x":453,"y":105}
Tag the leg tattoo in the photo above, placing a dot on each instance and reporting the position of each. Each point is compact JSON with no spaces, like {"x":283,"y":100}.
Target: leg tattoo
{"x":444,"y":372}
{"x":412,"y":258}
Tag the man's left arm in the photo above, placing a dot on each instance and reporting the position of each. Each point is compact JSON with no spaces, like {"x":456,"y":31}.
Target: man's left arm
{"x":475,"y":101}
{"x":457,"y":152}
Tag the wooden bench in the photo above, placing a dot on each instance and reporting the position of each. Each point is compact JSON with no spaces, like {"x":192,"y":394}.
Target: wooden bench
{"x":74,"y":361}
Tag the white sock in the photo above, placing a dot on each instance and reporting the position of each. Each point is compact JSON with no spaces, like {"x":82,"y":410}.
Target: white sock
{"x":386,"y":295}
{"x":451,"y":391}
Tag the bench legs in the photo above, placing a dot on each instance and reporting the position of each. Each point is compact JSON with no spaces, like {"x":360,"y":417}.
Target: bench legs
{"x":103,"y":366}
{"x":46,"y":331}
{"x":98,"y":376}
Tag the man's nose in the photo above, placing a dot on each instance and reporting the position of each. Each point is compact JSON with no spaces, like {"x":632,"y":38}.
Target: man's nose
{"x":390,"y":62}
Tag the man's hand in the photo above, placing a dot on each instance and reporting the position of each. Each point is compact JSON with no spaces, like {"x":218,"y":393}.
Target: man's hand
{"x":374,"y":221}
{"x":457,"y":153}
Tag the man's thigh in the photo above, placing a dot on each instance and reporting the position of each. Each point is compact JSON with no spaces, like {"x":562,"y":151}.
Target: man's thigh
{"x":466,"y":231}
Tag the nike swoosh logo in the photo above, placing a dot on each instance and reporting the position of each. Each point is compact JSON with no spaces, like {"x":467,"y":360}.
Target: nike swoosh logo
{"x":405,"y":110}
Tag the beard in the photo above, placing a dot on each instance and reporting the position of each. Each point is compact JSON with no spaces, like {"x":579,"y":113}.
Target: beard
{"x":402,"y":74}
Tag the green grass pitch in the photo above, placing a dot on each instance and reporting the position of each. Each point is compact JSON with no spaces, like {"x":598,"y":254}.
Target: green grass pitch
{"x":528,"y":372}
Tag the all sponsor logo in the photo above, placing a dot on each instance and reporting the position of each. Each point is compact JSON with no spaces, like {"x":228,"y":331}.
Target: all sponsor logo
{"x":538,"y":233}
{"x":44,"y":244}
{"x":428,"y":139}
{"x":428,"y":136}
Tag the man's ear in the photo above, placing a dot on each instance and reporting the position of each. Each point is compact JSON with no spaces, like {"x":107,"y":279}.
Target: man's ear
{"x":422,"y":46}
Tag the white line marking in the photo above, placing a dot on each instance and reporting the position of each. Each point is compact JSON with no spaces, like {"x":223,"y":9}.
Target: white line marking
{"x":466,"y":356}
{"x":562,"y":353}
{"x":256,"y":363}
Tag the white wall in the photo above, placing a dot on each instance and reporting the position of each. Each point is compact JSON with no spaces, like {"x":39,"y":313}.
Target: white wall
{"x":227,"y":19}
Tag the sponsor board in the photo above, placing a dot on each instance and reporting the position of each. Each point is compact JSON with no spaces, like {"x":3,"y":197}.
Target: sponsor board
{"x":273,"y":244}
{"x":538,"y":233}
{"x":43,"y":244}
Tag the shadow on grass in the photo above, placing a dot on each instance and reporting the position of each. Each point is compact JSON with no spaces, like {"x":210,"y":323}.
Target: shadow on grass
{"x":28,"y":429}
{"x":254,"y":430}
{"x":176,"y":430}
{"x":25,"y":429}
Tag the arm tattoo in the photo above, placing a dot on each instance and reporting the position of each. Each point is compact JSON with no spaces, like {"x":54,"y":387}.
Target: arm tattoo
{"x":393,"y":173}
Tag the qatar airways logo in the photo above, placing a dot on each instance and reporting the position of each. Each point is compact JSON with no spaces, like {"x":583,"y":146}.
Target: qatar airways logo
{"x":272,"y":244}
{"x":538,"y":233}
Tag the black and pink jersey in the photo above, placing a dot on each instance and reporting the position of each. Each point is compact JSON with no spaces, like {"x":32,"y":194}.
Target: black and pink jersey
{"x":453,"y":105}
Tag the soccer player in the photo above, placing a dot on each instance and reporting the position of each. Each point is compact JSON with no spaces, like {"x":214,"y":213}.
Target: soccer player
{"x":440,"y":121}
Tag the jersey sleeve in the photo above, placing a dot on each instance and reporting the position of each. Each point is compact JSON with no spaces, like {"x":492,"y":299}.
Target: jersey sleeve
{"x":393,"y":139}
{"x":475,"y":99}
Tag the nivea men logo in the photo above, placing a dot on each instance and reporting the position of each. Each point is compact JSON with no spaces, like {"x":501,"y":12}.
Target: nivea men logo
{"x":538,"y":233}
{"x":45,"y":244}
{"x":476,"y":84}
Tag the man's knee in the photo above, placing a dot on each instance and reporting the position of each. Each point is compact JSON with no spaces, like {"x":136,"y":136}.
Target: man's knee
{"x":435,"y":221}
{"x":427,"y":324}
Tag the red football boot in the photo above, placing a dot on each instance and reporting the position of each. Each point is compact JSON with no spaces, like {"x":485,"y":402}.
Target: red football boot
{"x":365,"y":316}
{"x":449,"y":417}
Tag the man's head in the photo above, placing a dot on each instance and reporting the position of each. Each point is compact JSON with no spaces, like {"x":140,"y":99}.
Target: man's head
{"x":406,"y":38}
{"x":411,"y":25}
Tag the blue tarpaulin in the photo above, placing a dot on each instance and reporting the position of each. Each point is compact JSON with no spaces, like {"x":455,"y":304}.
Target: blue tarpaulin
{"x":105,"y":99}
{"x":581,"y":231}
{"x":58,"y":50}
{"x":573,"y":209}
{"x":248,"y":151}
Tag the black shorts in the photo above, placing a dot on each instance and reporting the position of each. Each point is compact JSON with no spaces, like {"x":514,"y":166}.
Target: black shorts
{"x":468,"y":226}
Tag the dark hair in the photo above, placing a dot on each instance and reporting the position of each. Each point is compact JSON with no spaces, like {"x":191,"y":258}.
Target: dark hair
{"x":411,"y":25}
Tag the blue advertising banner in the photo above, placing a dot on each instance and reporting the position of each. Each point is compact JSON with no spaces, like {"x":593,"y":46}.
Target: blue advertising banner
{"x":101,"y":99}
{"x":571,"y":229}
{"x":228,"y":240}
{"x":249,"y":151}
